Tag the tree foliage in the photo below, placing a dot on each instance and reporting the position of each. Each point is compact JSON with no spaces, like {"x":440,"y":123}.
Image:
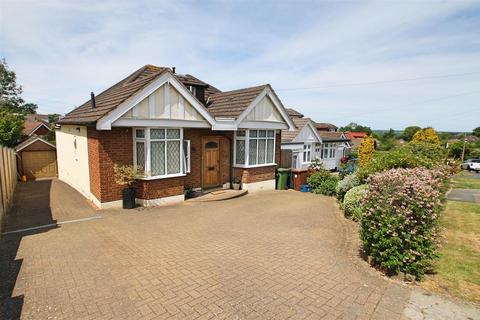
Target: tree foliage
{"x":409,"y":132}
{"x":476,"y":132}
{"x":427,"y":135}
{"x":11,"y":93}
{"x":366,"y":150}
{"x":355,"y":127}
{"x":11,"y":128}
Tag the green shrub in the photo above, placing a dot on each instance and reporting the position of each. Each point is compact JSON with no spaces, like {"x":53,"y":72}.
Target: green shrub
{"x":400,"y":219}
{"x":323,"y":182}
{"x":347,"y":183}
{"x":411,"y":155}
{"x":352,"y":202}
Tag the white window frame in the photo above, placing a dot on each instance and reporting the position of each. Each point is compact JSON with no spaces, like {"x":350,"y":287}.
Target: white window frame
{"x":307,"y":153}
{"x":147,"y":142}
{"x":187,"y":157}
{"x":247,"y":139}
{"x":329,"y":150}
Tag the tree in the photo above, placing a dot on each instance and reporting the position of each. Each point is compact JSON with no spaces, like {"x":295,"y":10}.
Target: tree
{"x":11,"y":128}
{"x":354,"y":127}
{"x":409,"y":132}
{"x":387,"y":140}
{"x":366,"y":150}
{"x":10,"y":93}
{"x":52,"y":119}
{"x":476,"y":132}
{"x":427,"y":135}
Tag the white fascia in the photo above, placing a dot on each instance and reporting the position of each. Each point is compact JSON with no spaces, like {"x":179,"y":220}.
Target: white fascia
{"x":105,"y":123}
{"x":276,"y":102}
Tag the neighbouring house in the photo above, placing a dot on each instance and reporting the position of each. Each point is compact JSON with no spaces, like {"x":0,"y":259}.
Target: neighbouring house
{"x":355,"y":139}
{"x":36,"y":156}
{"x":311,"y":140}
{"x":36,"y":124}
{"x":179,"y":131}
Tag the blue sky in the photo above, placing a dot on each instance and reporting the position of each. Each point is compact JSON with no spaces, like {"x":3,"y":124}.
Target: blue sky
{"x":335,"y":61}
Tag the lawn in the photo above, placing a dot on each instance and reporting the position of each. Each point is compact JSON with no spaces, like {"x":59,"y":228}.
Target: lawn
{"x":458,"y":270}
{"x":464,"y":180}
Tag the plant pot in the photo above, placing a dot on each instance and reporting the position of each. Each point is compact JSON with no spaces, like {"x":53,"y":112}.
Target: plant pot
{"x":236,"y":186}
{"x":128,"y":198}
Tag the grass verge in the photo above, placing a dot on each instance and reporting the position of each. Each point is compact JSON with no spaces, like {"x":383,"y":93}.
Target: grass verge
{"x":458,"y":270}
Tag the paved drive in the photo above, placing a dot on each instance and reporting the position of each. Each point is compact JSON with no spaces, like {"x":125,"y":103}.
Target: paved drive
{"x":271,"y":255}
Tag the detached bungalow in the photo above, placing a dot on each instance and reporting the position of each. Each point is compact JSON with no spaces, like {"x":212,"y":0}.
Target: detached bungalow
{"x":178,"y":130}
{"x":311,"y":140}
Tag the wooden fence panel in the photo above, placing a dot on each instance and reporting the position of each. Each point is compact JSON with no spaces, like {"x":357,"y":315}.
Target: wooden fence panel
{"x":8,"y":180}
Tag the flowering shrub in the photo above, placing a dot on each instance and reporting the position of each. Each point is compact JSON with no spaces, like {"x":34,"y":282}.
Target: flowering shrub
{"x":366,"y":150}
{"x":427,"y":135}
{"x":411,"y":155}
{"x":347,"y":183}
{"x":353,"y":200}
{"x":400,"y":217}
{"x":323,"y":182}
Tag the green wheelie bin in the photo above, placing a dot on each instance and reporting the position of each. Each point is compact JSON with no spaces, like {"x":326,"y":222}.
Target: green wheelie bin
{"x":282,"y":175}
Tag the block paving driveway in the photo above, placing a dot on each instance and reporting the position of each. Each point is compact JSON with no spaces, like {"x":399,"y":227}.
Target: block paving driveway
{"x":270,"y":255}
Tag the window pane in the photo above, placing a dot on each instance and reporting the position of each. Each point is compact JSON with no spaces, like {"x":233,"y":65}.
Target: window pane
{"x":253,"y":133}
{"x":262,"y":133}
{"x":240,"y":152}
{"x":261,"y":150}
{"x":173,"y":156}
{"x":270,"y":152}
{"x":252,"y":153}
{"x":157,"y":158}
{"x":241,"y":133}
{"x":173,"y":133}
{"x":270,"y":133}
{"x":140,"y":148}
{"x":140,"y":133}
{"x":157,"y":133}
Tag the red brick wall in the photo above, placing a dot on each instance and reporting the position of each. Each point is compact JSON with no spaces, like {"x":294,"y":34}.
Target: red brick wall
{"x":105,"y":148}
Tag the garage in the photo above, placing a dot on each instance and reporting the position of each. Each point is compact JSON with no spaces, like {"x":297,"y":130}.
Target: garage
{"x":37,"y":158}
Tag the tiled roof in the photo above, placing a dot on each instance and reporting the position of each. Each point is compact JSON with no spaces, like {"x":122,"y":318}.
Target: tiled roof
{"x":331,"y":136}
{"x":289,"y":136}
{"x":233,"y":103}
{"x":325,"y":126}
{"x":220,"y":104}
{"x":37,"y":117}
{"x":353,"y":135}
{"x":294,"y":113}
{"x":29,"y":140}
{"x":31,"y":126}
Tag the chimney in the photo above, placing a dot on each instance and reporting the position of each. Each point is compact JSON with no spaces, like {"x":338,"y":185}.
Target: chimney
{"x":173,"y":69}
{"x":92,"y":99}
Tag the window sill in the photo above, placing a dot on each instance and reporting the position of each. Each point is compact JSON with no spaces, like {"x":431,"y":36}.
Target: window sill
{"x":255,"y":166}
{"x":163,"y":177}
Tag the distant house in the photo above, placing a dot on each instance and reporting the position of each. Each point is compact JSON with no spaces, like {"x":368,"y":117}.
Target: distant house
{"x":311,"y":140}
{"x":36,"y":157}
{"x":36,"y":124}
{"x":355,"y":139}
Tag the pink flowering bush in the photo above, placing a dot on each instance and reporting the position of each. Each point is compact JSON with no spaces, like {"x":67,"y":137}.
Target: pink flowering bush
{"x":400,"y":219}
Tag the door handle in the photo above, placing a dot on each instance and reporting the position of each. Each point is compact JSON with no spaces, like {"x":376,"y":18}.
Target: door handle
{"x":210,"y":168}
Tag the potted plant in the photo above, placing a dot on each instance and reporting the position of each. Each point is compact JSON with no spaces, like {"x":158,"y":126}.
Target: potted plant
{"x":126,"y":175}
{"x":189,"y":192}
{"x":236,"y":183}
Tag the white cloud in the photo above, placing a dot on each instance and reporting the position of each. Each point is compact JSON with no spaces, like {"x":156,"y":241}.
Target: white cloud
{"x":62,"y":50}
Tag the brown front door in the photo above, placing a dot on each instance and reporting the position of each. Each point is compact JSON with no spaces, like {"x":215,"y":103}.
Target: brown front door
{"x":211,"y":161}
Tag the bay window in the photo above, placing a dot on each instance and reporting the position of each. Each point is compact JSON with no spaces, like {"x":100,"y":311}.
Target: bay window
{"x":329,"y":150}
{"x":254,"y":148}
{"x":160,"y":152}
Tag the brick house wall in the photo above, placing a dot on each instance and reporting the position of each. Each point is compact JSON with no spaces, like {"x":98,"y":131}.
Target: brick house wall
{"x":41,"y":131}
